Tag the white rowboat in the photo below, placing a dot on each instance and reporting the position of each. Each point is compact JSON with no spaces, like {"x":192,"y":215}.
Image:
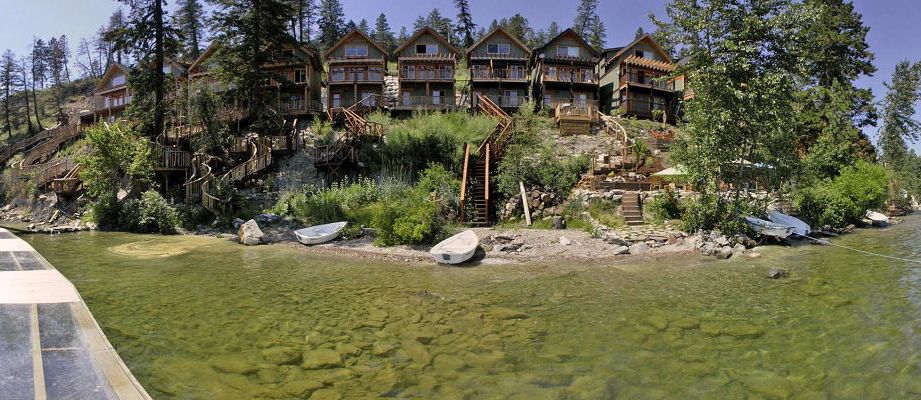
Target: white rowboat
{"x":799,"y":227}
{"x":769,"y":228}
{"x":319,"y":233}
{"x":456,"y":249}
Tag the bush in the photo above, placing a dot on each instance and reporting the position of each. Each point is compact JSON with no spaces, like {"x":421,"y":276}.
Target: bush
{"x":663,"y":207}
{"x":149,"y":214}
{"x":411,"y":221}
{"x":706,"y":211}
{"x":106,"y":211}
{"x":846,"y":198}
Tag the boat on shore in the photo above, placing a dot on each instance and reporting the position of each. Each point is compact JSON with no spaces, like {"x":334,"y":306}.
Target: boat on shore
{"x":456,"y":249}
{"x":769,"y":228}
{"x":800,"y":227}
{"x":319,"y":234}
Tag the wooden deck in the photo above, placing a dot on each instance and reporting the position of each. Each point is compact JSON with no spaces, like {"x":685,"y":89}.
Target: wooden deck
{"x":52,"y":347}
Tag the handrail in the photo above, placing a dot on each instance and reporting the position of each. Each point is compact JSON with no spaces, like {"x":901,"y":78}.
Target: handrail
{"x":486,"y":177}
{"x":463,"y":191}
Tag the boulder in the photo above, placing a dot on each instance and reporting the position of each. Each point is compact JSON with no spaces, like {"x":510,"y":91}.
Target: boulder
{"x":237,"y":222}
{"x":559,"y":223}
{"x":565,"y":241}
{"x":721,"y":241}
{"x":250,"y":234}
{"x":724,"y":252}
{"x":621,"y":250}
{"x":639,"y":248}
{"x":267,"y":219}
{"x":321,"y":359}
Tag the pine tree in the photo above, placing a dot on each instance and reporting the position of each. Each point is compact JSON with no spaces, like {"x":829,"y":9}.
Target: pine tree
{"x":553,"y":30}
{"x":404,"y":35}
{"x":7,"y":71}
{"x":113,"y":38}
{"x":438,"y":23}
{"x":899,"y":124}
{"x":254,"y":33}
{"x":39,"y":70}
{"x":364,"y":27}
{"x":350,"y":26}
{"x":304,"y":19}
{"x":465,"y":27}
{"x":23,"y":70}
{"x":189,"y":20}
{"x":383,"y":34}
{"x":639,"y":33}
{"x":331,"y":21}
{"x":588,"y":24}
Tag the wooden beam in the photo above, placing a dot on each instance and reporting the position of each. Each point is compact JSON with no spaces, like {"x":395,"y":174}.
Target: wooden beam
{"x":524,"y":202}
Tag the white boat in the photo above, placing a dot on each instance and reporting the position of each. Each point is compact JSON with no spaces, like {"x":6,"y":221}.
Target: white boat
{"x":879,"y":219}
{"x":319,"y":233}
{"x":799,"y":227}
{"x":456,"y":249}
{"x":769,"y":228}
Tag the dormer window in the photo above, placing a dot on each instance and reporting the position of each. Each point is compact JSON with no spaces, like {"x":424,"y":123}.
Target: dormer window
{"x":356,"y":51}
{"x":498,"y":48}
{"x":426,"y":49}
{"x":567,"y":51}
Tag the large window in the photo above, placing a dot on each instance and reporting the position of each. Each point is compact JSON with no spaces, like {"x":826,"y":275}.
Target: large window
{"x":498,"y":48}
{"x":300,"y":76}
{"x":567,"y":51}
{"x":337,"y":74}
{"x":356,"y":50}
{"x":426,"y":49}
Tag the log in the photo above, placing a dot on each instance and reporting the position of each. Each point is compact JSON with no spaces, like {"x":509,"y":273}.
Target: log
{"x":524,"y":203}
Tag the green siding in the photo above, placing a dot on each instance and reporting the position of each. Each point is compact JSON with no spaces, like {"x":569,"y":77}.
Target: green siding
{"x":427,"y":39}
{"x":373,"y":51}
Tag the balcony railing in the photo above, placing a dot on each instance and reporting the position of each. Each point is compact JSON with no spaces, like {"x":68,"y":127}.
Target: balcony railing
{"x":652,"y":81}
{"x":431,"y":102}
{"x":356,"y":76}
{"x":643,"y":107}
{"x":499,"y":74}
{"x":570,"y":77}
{"x":504,"y":101}
{"x":440,"y":74}
{"x":554,"y":102}
{"x":373,"y":101}
{"x":105,"y":103}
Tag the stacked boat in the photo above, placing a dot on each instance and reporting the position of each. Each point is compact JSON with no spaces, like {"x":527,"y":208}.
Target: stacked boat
{"x":779,"y":225}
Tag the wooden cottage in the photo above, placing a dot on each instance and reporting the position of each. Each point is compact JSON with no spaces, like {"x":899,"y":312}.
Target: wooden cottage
{"x":296,"y":76}
{"x":426,"y":62}
{"x":498,"y":65}
{"x":111,"y":95}
{"x":565,"y":72}
{"x":357,"y":66}
{"x":636,"y":80}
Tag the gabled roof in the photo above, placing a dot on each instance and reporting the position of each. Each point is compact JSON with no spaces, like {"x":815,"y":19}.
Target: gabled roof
{"x":571,"y":33}
{"x":349,"y":35}
{"x":500,"y":30}
{"x":645,"y":38}
{"x":204,"y":56}
{"x":423,"y":31}
{"x":110,"y":72}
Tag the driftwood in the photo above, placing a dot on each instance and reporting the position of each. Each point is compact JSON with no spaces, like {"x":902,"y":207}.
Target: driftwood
{"x":524,"y":203}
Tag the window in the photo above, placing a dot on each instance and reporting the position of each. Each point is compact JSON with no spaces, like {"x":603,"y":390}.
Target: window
{"x":356,"y":51}
{"x":447,"y":72}
{"x":300,"y":76}
{"x":551,"y":72}
{"x":567,"y":51}
{"x":436,"y":96}
{"x":337,"y":74}
{"x":426,"y":49}
{"x":407,"y":99}
{"x":548,"y":100}
{"x":367,"y":99}
{"x":117,"y":80}
{"x":409,"y":71}
{"x":511,"y":98}
{"x":581,"y":99}
{"x":498,"y":48}
{"x":295,"y":102}
{"x":639,"y":53}
{"x":337,"y":100}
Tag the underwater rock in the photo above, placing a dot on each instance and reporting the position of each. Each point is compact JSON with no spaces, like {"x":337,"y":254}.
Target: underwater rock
{"x":348,"y":349}
{"x":777,"y":273}
{"x":507,"y":313}
{"x":326,"y":394}
{"x":657,"y":321}
{"x":321,"y":359}
{"x":381,"y":349}
{"x":301,"y":387}
{"x":448,"y":363}
{"x":281,"y":355}
{"x":232,"y":364}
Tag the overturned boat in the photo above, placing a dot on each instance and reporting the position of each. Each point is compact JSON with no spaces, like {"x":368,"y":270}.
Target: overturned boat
{"x":768,"y":228}
{"x":319,"y":233}
{"x":800,"y":228}
{"x":456,"y":249}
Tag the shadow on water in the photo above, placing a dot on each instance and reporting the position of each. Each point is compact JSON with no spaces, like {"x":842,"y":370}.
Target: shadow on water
{"x":224,"y":321}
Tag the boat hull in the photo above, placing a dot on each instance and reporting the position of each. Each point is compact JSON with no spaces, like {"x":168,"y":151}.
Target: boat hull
{"x":319,"y":234}
{"x":456,"y":249}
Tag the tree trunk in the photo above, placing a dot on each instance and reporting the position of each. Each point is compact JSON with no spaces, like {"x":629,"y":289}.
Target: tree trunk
{"x":25,"y":90}
{"x":158,"y":66}
{"x":38,"y":119}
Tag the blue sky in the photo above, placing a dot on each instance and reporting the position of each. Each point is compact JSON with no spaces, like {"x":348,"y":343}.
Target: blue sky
{"x":894,"y":35}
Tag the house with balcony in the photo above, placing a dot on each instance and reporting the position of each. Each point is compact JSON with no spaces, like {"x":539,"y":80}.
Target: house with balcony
{"x":110,"y":96}
{"x":637,"y":81}
{"x":356,"y":69}
{"x":498,"y":65}
{"x":296,"y":76}
{"x":426,"y":63}
{"x":564,"y":72}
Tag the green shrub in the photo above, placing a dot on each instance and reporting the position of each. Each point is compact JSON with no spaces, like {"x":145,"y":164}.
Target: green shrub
{"x":846,"y":198}
{"x":706,"y":212}
{"x":148,"y":214}
{"x":663,"y":207}
{"x":411,"y":221}
{"x":106,"y":210}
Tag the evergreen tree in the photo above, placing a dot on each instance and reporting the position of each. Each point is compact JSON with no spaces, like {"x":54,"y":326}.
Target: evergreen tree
{"x":744,"y":107}
{"x":330,"y":24}
{"x":112,"y":37}
{"x":438,"y":23}
{"x":383,"y":34}
{"x":465,"y":26}
{"x":253,"y":33}
{"x":588,"y":24}
{"x":189,"y":20}
{"x":38,"y":60}
{"x":7,"y":70}
{"x":350,"y":26}
{"x":304,"y":20}
{"x":552,"y":31}
{"x":519,"y":26}
{"x":639,"y":33}
{"x":23,"y":71}
{"x":899,"y":124}
{"x":364,"y":27}
{"x":404,"y":35}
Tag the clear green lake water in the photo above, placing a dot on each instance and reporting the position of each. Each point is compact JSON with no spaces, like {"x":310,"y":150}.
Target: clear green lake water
{"x":198,"y":318}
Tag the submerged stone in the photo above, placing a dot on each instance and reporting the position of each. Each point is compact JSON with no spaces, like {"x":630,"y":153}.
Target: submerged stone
{"x":381,"y":348}
{"x":657,"y":321}
{"x":232,"y":364}
{"x":301,"y":387}
{"x":281,"y":355}
{"x":507,"y":313}
{"x":322,"y":358}
{"x":326,"y":394}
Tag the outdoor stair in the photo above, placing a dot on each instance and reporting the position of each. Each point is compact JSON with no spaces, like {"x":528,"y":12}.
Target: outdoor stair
{"x":632,"y":209}
{"x":479,"y":165}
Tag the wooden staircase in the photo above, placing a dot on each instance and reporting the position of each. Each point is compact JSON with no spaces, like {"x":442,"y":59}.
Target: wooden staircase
{"x":344,"y":151}
{"x":632,"y":209}
{"x":478,"y":165}
{"x":8,"y":150}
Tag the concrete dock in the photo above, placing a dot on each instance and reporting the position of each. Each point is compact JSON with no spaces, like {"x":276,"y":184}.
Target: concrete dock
{"x":50,"y":345}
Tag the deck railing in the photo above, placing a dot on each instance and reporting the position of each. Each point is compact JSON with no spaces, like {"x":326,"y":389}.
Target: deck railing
{"x":427,"y":74}
{"x":503,"y":101}
{"x":645,"y":79}
{"x":499,"y":74}
{"x":426,"y":102}
{"x":168,"y":158}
